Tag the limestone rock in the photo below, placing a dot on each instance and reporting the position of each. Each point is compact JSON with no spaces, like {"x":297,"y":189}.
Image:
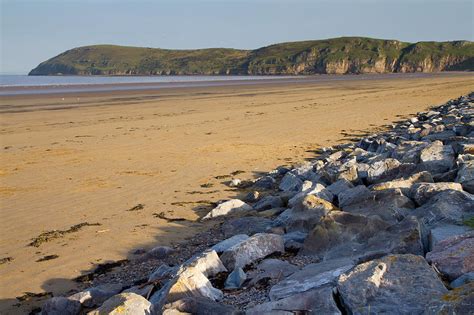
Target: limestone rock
{"x":228,"y":243}
{"x":310,"y":277}
{"x":268,"y":202}
{"x":394,"y":284}
{"x":405,"y":184}
{"x":462,"y":280}
{"x":383,"y":170}
{"x":160,"y":252}
{"x":228,"y":207}
{"x":422,"y":192}
{"x":124,"y":303}
{"x":443,"y":232}
{"x":339,"y":186}
{"x":60,"y":306}
{"x":290,"y":182}
{"x":207,"y":262}
{"x":342,"y":234}
{"x":457,"y":301}
{"x":257,"y":246}
{"x":437,"y":158}
{"x":235,"y":279}
{"x":353,"y":195}
{"x":317,"y":301}
{"x":271,"y":268}
{"x":96,"y":295}
{"x":454,"y":256}
{"x":198,"y":306}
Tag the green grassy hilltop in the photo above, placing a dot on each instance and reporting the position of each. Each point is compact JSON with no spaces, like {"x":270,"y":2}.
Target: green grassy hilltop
{"x":333,"y":56}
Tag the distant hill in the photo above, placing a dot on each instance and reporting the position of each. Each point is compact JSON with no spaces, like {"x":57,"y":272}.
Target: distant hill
{"x":345,"y":55}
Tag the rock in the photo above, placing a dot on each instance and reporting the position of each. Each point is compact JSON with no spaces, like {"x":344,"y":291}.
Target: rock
{"x":355,"y":236}
{"x":61,"y":306}
{"x":198,"y":306}
{"x":310,"y":277}
{"x":437,"y":158}
{"x":462,"y":280}
{"x":454,"y":256}
{"x":265,"y":182}
{"x":228,"y":207}
{"x":252,"y":196}
{"x":162,"y":272}
{"x":228,"y":243}
{"x":339,"y":186}
{"x":207,"y":262}
{"x":124,"y":303}
{"x":257,"y":246}
{"x":290,"y":182}
{"x":457,"y":301}
{"x":160,"y":252}
{"x":235,"y":279}
{"x":305,"y":214}
{"x":447,"y":207}
{"x":466,"y":175}
{"x":294,"y":240}
{"x":317,"y":190}
{"x":409,"y":151}
{"x":443,"y":232}
{"x":394,"y":284}
{"x":271,"y":269}
{"x":383,"y":170}
{"x":235,"y":182}
{"x":188,"y":282}
{"x":246,"y":225}
{"x":405,"y":184}
{"x":422,"y":192}
{"x":140,"y":290}
{"x":318,"y":301}
{"x":95,"y":296}
{"x":268,"y":202}
{"x":353,"y":195}
{"x":389,"y":205}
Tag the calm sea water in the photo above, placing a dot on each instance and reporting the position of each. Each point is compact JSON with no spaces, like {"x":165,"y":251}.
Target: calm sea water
{"x":32,"y":81}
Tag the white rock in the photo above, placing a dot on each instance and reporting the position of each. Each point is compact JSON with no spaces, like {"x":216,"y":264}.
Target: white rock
{"x":228,"y":207}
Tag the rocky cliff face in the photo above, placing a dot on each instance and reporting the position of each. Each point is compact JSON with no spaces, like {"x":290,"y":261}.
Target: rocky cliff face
{"x":348,"y":55}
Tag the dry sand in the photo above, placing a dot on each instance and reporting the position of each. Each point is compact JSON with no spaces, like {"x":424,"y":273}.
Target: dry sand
{"x":108,"y":153}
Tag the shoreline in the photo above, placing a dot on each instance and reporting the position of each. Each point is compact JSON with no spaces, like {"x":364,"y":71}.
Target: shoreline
{"x":82,"y":89}
{"x":233,"y":127}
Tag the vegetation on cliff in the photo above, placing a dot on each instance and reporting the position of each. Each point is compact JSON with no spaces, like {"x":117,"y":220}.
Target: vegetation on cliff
{"x":334,"y":56}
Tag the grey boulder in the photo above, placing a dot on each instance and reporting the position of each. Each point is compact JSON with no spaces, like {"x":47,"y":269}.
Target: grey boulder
{"x":124,"y":303}
{"x":228,"y":207}
{"x":60,"y":306}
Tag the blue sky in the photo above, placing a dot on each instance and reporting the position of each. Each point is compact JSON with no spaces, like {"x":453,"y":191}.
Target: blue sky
{"x":35,"y":30}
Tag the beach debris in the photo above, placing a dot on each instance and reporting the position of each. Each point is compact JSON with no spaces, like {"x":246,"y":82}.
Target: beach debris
{"x":140,"y":206}
{"x":55,"y":234}
{"x":47,"y":257}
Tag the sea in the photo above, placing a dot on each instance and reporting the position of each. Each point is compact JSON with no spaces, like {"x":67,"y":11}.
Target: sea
{"x":24,"y":84}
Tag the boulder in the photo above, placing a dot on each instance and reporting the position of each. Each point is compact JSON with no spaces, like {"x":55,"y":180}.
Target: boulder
{"x":389,"y":205}
{"x":317,"y":301}
{"x":353,"y":195}
{"x":207,"y":262}
{"x":124,"y":303}
{"x":96,"y":295}
{"x":342,"y":234}
{"x":437,"y":158}
{"x":454,"y":256}
{"x":235,"y":279}
{"x":457,"y":301}
{"x":310,"y":277}
{"x":265,"y":182}
{"x":394,"y":284}
{"x":305,"y":214}
{"x":257,"y":246}
{"x":422,"y":192}
{"x":271,"y":269}
{"x":290,"y":182}
{"x":245,"y":225}
{"x":443,"y":232}
{"x":294,"y":240}
{"x":466,"y":175}
{"x":198,"y":306}
{"x":462,"y":280}
{"x":228,"y":243}
{"x":339,"y":186}
{"x":317,"y":190}
{"x":404,"y":184}
{"x":228,"y":207}
{"x":268,"y":202}
{"x":61,"y":306}
{"x":383,"y":170}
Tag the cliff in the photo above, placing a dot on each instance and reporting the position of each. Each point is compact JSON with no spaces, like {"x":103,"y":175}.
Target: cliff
{"x":345,"y":55}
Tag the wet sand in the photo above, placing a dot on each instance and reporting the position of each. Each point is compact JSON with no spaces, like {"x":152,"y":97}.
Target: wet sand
{"x":70,"y":159}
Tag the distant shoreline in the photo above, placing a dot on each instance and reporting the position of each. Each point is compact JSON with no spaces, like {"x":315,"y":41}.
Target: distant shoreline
{"x":12,"y":91}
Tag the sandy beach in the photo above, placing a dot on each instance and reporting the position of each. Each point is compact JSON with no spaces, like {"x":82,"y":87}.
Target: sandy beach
{"x":103,"y":169}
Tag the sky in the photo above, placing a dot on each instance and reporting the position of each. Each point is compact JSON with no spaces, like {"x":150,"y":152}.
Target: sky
{"x":35,"y":30}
